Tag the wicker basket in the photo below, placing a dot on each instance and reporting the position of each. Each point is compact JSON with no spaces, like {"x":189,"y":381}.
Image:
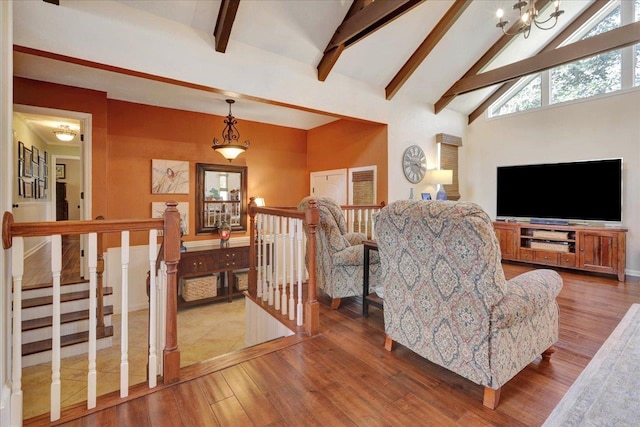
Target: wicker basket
{"x":242,"y":281}
{"x":199,"y":288}
{"x":547,"y":234}
{"x":548,"y":246}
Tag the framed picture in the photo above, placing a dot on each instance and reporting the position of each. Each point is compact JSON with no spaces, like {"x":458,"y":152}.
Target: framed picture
{"x":426,"y":196}
{"x":169,"y":176}
{"x":35,"y":153}
{"x":35,"y":169}
{"x":20,"y":187}
{"x":28,"y":190}
{"x":20,"y":168}
{"x":20,"y":150}
{"x":27,"y":163}
{"x":61,"y":171}
{"x":46,"y":158}
{"x":41,"y":192}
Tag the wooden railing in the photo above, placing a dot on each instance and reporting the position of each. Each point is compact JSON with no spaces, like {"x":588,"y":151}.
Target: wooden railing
{"x":277,"y":256}
{"x":360,"y":218}
{"x":13,"y":235}
{"x":277,"y":268}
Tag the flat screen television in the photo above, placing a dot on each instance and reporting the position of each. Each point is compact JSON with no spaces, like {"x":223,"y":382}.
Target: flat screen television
{"x":583,"y":191}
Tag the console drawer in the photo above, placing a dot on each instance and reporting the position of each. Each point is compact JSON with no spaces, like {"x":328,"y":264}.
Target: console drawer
{"x":567,"y":260}
{"x":194,"y":263}
{"x":545,"y":257}
{"x":233,"y":258}
{"x":526,"y":254}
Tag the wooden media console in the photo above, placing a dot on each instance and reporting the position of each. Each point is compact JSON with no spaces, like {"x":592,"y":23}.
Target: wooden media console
{"x":595,"y":249}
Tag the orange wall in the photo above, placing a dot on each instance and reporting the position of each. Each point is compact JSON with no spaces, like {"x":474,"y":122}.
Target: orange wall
{"x":347,"y":144}
{"x":276,"y":159}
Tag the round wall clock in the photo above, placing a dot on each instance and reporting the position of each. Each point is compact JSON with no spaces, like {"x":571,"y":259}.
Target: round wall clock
{"x":414,"y":164}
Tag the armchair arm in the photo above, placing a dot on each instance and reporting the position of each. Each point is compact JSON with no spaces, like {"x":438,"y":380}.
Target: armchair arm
{"x":354,"y":238}
{"x":526,"y":295}
{"x":354,"y":255}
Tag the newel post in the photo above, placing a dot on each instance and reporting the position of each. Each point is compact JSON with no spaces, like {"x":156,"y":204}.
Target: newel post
{"x":312,"y":308}
{"x":171,"y":353}
{"x":253,"y":241}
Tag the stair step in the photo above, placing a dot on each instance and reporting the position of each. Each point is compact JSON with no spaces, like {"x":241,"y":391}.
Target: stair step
{"x":70,"y":296}
{"x":50,"y":284}
{"x":47,"y":321}
{"x":66,"y":340}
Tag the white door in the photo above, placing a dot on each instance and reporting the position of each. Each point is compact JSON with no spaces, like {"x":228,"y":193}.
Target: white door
{"x":331,"y":184}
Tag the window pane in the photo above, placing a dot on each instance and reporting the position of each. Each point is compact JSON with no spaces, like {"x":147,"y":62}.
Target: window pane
{"x":637,"y":8}
{"x":526,"y":98}
{"x":588,"y":77}
{"x":608,"y":23}
{"x":637,"y":68}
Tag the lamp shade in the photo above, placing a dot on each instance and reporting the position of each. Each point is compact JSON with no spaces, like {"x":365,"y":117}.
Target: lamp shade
{"x":259,"y":201}
{"x":440,"y":176}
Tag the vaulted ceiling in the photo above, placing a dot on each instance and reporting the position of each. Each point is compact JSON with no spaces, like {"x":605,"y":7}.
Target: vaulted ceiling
{"x":428,"y":50}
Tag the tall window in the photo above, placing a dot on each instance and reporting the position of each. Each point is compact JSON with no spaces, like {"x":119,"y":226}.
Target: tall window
{"x":448,"y":159}
{"x":588,"y":77}
{"x":527,"y":98}
{"x":591,"y":76}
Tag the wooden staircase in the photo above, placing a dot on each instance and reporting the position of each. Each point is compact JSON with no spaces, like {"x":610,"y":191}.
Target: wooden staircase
{"x":37,"y":321}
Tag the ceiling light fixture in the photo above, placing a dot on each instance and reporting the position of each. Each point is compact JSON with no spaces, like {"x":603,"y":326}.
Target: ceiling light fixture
{"x":529,"y":16}
{"x":230,"y":148}
{"x":64,"y":133}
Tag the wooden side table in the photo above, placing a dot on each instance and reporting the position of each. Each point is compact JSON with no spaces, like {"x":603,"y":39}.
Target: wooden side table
{"x":368,"y":298}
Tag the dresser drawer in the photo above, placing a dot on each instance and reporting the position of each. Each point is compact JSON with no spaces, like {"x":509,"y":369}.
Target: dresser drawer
{"x":544,"y":257}
{"x":197,"y":263}
{"x":526,"y":254}
{"x":567,"y":260}
{"x":233,"y":258}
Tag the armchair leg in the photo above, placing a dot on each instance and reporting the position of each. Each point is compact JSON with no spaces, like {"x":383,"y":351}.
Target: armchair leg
{"x":388,"y":343}
{"x":546,"y":355}
{"x":491,"y":397}
{"x":335,"y":303}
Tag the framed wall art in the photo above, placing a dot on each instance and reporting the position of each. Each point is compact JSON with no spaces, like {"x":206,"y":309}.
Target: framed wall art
{"x":169,"y":176}
{"x":61,"y":171}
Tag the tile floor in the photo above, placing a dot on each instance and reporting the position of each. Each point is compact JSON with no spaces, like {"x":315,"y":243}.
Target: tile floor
{"x":204,"y":332}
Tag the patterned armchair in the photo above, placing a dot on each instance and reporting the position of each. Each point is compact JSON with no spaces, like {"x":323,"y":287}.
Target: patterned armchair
{"x":339,"y":254}
{"x":446,"y":297}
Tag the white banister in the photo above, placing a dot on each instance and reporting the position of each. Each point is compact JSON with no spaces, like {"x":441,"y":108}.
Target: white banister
{"x":276,"y":249}
{"x":56,"y":269}
{"x":263,"y":261}
{"x":259,"y":266}
{"x":153,"y":359}
{"x":299,"y":236}
{"x":92,"y":262}
{"x":272,"y":256}
{"x":124,"y":339}
{"x":291,"y":223}
{"x":17,"y":268}
{"x":283,"y":274}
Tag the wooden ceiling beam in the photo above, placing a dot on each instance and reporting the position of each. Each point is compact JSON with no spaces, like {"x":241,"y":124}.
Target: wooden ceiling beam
{"x":364,"y":18}
{"x":488,"y":56}
{"x":614,"y":39}
{"x":224,"y":23}
{"x":567,"y":32}
{"x":429,"y":43}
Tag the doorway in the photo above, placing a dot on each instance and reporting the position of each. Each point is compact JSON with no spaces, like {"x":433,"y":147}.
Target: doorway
{"x":66,"y":162}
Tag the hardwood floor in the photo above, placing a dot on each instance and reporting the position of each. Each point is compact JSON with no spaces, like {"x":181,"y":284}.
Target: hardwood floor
{"x":37,"y":269}
{"x":345,"y":377}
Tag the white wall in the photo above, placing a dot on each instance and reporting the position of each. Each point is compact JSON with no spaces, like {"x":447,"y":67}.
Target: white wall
{"x":605,"y":127}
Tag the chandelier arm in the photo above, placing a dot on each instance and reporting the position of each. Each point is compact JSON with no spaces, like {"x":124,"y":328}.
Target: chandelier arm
{"x":539,"y":25}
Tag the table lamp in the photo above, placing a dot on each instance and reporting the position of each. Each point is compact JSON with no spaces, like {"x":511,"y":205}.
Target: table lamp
{"x":440,"y":177}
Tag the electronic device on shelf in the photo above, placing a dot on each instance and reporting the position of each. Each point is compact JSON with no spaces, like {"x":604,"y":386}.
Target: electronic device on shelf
{"x":560,"y":193}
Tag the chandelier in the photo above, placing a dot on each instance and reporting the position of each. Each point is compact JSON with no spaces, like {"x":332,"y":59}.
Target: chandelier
{"x":229,"y":147}
{"x":529,"y":15}
{"x":64,"y":133}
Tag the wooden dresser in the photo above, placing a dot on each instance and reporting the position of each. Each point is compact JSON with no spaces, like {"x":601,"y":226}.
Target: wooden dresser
{"x":218,"y":261}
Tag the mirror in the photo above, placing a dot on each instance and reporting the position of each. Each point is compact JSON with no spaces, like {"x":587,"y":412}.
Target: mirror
{"x":221,"y":195}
